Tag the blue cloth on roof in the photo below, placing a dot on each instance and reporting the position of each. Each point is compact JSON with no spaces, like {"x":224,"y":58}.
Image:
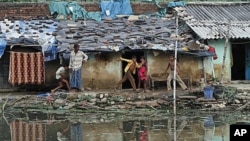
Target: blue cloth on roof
{"x":110,"y":8}
{"x":51,"y":52}
{"x":126,"y":8}
{"x":175,"y":4}
{"x":2,"y":46}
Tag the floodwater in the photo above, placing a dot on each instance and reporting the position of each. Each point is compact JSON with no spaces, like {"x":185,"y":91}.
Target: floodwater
{"x":138,"y":125}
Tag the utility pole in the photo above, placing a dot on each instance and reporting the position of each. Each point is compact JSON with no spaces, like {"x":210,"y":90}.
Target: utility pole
{"x":225,"y":51}
{"x":175,"y":63}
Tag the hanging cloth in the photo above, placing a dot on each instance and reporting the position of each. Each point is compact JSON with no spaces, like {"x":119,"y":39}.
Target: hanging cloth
{"x":26,"y":68}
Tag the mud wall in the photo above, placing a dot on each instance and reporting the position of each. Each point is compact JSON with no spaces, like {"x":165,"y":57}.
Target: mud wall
{"x":102,"y":71}
{"x":190,"y":67}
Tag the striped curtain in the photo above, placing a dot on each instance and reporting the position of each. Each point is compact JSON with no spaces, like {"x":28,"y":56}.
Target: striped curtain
{"x":21,"y":131}
{"x":26,"y":68}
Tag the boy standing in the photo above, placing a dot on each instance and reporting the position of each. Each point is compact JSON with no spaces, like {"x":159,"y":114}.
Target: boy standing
{"x":171,"y":74}
{"x":129,"y":70}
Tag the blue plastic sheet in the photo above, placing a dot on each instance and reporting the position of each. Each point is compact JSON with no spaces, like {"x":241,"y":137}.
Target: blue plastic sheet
{"x":176,"y":4}
{"x":110,"y":8}
{"x":2,"y":47}
{"x":43,"y":95}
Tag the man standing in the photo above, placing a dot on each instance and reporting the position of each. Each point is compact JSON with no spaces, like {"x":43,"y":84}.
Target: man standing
{"x":171,"y":74}
{"x":129,"y":70}
{"x":75,"y":65}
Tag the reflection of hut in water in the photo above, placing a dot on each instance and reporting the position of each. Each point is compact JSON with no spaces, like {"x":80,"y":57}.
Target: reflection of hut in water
{"x":221,"y":132}
{"x":209,"y":128}
{"x":135,"y":130}
{"x":4,"y":128}
{"x":101,"y":132}
{"x":30,"y":131}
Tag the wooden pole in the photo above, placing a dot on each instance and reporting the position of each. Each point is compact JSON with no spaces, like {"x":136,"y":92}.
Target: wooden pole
{"x":204,"y":71}
{"x":225,"y":51}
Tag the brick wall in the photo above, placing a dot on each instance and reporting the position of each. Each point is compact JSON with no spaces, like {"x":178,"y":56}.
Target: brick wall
{"x":42,"y":9}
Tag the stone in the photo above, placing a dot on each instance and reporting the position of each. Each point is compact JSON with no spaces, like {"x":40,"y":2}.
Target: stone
{"x":69,"y":105}
{"x":236,"y":101}
{"x":88,"y":88}
{"x":59,"y":101}
{"x":104,"y":100}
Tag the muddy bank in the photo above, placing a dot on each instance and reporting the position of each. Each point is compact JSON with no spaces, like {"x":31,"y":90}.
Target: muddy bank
{"x":95,"y":101}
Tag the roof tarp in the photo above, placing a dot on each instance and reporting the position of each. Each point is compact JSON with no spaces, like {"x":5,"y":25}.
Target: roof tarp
{"x":111,"y":8}
{"x":66,"y":8}
{"x":2,"y":47}
{"x":29,"y":33}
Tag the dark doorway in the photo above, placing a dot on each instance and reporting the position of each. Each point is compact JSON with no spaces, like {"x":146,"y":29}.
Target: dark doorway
{"x":4,"y":72}
{"x":128,"y":55}
{"x":238,"y":62}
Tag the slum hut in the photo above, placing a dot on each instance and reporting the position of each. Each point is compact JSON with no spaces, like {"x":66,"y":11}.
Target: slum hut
{"x":226,"y":27}
{"x":106,"y":41}
{"x":26,"y":46}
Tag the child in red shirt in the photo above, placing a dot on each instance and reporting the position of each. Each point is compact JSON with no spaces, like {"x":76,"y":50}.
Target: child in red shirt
{"x":142,"y":74}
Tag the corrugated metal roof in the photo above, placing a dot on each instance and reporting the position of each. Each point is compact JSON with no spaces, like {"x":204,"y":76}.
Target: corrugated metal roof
{"x":210,"y":21}
{"x":219,"y":12}
{"x":218,"y":31}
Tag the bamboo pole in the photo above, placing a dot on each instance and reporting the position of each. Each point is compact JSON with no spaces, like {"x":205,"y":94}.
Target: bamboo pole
{"x":225,"y":51}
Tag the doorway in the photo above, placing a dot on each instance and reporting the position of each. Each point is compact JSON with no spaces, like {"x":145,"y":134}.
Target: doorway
{"x":4,"y":73}
{"x":239,"y":62}
{"x":128,"y":55}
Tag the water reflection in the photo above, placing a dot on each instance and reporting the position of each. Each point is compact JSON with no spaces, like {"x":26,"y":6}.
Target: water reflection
{"x":117,"y":127}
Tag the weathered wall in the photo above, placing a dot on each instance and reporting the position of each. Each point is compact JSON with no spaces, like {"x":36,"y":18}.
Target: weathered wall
{"x":190,"y":66}
{"x":219,"y":46}
{"x":102,"y":71}
{"x":42,"y":9}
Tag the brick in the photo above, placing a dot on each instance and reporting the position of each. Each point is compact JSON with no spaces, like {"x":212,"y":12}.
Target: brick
{"x":20,"y":9}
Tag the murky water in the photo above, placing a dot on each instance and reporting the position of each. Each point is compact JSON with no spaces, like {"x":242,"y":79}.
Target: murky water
{"x":131,"y":126}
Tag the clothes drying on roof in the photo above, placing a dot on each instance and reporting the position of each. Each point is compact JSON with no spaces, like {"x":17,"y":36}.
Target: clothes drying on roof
{"x":66,"y":8}
{"x":111,"y":8}
{"x":26,"y":68}
{"x":59,"y":8}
